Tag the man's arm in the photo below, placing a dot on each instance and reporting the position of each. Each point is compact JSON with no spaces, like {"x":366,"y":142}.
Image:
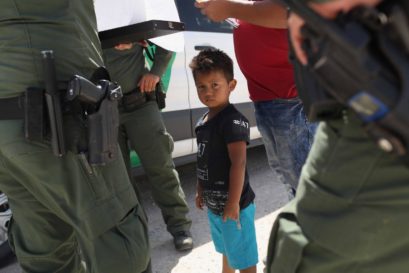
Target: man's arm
{"x":161,"y":61}
{"x":148,"y":82}
{"x":264,"y":13}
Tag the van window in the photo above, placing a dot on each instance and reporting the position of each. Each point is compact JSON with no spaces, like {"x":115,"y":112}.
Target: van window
{"x":195,"y":21}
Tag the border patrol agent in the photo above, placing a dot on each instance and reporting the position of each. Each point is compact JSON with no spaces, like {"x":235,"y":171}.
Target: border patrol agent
{"x":60,"y":203}
{"x":141,"y":124}
{"x":350,"y":211}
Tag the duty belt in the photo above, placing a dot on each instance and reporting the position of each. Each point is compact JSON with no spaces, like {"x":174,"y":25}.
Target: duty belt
{"x":135,"y":99}
{"x":42,"y":110}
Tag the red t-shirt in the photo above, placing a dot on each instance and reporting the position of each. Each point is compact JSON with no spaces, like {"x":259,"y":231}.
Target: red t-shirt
{"x":262,"y":54}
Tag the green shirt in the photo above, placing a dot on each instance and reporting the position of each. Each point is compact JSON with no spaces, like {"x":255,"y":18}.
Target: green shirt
{"x":127,"y":66}
{"x":68,"y":27}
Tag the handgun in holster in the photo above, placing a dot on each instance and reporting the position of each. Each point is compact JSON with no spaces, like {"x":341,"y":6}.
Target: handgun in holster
{"x":102,"y":117}
{"x":361,"y":61}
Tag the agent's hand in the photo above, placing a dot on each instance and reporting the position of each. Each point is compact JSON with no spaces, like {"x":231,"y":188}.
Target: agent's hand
{"x":199,"y":201}
{"x":327,"y":10}
{"x":215,"y":10}
{"x":124,"y":46}
{"x":295,"y":24}
{"x":148,"y":82}
{"x":231,"y":211}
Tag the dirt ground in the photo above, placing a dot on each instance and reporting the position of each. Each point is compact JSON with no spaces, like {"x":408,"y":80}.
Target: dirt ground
{"x":270,"y":196}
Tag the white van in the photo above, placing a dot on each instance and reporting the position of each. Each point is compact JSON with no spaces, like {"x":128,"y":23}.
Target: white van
{"x":183,"y":107}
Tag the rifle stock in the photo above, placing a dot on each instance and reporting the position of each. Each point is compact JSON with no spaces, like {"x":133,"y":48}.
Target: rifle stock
{"x":360,"y":61}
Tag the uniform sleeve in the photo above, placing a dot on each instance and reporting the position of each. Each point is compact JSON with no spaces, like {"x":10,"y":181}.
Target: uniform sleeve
{"x":236,"y":128}
{"x":161,"y":61}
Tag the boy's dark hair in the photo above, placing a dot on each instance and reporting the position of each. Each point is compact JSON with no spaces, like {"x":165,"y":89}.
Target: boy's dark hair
{"x":212,"y":59}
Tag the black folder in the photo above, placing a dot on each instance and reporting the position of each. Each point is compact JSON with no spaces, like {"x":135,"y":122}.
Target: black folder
{"x":137,"y":32}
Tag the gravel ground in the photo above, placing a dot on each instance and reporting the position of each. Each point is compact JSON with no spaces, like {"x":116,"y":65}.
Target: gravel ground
{"x":270,"y":196}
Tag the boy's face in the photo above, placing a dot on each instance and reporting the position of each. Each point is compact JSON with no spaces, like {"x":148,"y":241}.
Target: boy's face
{"x":213,"y":89}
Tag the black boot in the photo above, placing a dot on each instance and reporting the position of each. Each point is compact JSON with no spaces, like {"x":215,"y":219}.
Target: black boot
{"x":183,"y":240}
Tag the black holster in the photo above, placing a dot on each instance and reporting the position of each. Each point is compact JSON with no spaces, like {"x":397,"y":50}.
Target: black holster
{"x":160,"y":96}
{"x":99,"y":103}
{"x":103,"y":133}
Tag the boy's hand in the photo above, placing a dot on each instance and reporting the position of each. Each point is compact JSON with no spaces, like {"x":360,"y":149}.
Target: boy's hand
{"x":231,"y":211}
{"x":199,"y":201}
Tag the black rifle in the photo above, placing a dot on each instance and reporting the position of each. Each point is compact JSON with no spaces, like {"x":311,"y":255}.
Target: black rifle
{"x":361,"y":60}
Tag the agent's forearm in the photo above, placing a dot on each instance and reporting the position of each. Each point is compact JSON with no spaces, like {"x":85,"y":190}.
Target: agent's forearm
{"x":161,"y":61}
{"x":264,"y":13}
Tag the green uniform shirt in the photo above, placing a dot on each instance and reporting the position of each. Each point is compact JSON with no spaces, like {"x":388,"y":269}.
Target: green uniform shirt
{"x":70,"y":32}
{"x":127,"y":66}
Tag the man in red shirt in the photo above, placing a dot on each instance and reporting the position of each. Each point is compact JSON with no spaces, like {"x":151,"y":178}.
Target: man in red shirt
{"x":261,"y":48}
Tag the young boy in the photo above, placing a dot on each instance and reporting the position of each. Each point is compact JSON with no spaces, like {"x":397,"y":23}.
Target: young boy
{"x":223,"y":183}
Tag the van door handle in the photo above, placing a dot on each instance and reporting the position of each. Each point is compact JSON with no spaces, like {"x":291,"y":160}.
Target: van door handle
{"x":202,"y":47}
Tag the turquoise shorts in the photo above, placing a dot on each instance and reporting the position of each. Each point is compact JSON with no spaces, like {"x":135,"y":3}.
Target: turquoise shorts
{"x":236,"y":240}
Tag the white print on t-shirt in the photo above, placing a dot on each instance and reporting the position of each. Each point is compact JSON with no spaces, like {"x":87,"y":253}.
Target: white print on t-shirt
{"x":241,"y":123}
{"x":215,"y":200}
{"x":203,"y":174}
{"x":201,"y":149}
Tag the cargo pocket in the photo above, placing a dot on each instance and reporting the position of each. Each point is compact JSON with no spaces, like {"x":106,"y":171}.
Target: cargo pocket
{"x":134,"y":233}
{"x":93,"y":177}
{"x":286,"y":245}
{"x":170,"y":141}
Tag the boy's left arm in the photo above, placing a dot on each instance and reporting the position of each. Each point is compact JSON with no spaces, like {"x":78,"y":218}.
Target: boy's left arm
{"x":237,"y":153}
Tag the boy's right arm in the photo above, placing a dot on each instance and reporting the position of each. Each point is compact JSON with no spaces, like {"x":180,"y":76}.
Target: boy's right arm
{"x":199,"y":196}
{"x":237,"y":154}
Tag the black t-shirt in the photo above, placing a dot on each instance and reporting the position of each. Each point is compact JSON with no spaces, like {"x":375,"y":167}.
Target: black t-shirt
{"x":213,"y":162}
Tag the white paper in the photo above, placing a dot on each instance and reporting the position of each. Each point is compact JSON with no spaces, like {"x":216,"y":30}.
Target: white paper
{"x":113,"y":14}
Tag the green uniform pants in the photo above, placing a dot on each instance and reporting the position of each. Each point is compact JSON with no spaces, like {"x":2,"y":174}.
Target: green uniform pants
{"x":350,"y":213}
{"x":146,"y":132}
{"x":60,"y":204}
